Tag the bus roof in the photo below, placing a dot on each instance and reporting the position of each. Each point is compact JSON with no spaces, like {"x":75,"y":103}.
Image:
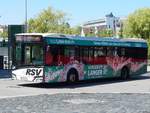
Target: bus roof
{"x":42,"y":34}
{"x":55,"y":38}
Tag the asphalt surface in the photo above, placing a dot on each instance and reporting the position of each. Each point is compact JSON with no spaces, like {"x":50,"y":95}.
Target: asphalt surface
{"x":13,"y":88}
{"x":78,"y":103}
{"x":96,"y":96}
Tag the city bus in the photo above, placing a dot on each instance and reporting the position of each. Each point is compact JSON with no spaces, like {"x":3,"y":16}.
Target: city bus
{"x":54,"y":57}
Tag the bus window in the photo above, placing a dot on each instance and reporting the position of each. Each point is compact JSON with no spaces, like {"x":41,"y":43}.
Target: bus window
{"x":37,"y":55}
{"x":91,"y":54}
{"x":18,"y":54}
{"x":112,"y":51}
{"x":54,"y":55}
{"x":142,"y":53}
{"x":99,"y":51}
{"x":84,"y":55}
{"x":48,"y":56}
{"x":69,"y":54}
{"x":27,"y":55}
{"x":121,"y":52}
{"x":70,"y":51}
{"x":99,"y":55}
{"x":57,"y":55}
{"x":55,"y":52}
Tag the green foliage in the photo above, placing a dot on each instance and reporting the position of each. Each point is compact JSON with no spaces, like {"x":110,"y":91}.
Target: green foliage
{"x":138,"y":24}
{"x":105,"y":33}
{"x":77,"y":30}
{"x":120,"y":34}
{"x":90,"y":35}
{"x":50,"y":20}
{"x":4,"y":34}
{"x":148,"y":49}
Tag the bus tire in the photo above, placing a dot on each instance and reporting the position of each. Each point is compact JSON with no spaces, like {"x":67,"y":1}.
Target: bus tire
{"x":124,"y":73}
{"x":72,"y":76}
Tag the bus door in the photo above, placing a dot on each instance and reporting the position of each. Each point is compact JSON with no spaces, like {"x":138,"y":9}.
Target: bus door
{"x":27,"y":55}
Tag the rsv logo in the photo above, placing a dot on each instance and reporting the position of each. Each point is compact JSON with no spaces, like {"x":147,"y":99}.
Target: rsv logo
{"x":33,"y":72}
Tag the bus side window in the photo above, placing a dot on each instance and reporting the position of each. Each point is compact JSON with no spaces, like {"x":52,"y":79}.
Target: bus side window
{"x":60,"y":56}
{"x":49,"y":57}
{"x":109,"y":51}
{"x":116,"y":51}
{"x":91,"y":55}
{"x":85,"y":56}
{"x":69,"y":54}
{"x":112,"y":51}
{"x":52,"y":55}
{"x":121,"y":52}
{"x":55,"y":51}
{"x":142,"y":53}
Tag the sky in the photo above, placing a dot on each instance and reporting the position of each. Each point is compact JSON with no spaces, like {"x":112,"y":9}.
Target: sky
{"x":78,"y":11}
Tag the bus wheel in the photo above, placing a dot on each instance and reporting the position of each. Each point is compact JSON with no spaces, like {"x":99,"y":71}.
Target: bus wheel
{"x":124,"y":73}
{"x":72,"y":77}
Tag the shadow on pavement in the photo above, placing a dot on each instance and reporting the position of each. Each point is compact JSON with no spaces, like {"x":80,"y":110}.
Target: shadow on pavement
{"x":5,"y":73}
{"x":83,"y":83}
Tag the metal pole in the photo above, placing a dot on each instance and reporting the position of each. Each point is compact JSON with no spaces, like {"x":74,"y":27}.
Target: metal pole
{"x":26,"y":16}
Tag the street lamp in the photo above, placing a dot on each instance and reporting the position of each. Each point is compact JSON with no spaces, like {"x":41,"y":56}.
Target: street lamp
{"x":26,"y":16}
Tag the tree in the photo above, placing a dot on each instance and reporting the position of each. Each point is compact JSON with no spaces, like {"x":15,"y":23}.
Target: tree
{"x":50,"y":20}
{"x":105,"y":33}
{"x":4,"y":32}
{"x":77,"y":30}
{"x":90,"y":35}
{"x":138,"y":24}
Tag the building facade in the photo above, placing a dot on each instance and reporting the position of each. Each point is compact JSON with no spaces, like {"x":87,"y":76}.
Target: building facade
{"x":109,"y":22}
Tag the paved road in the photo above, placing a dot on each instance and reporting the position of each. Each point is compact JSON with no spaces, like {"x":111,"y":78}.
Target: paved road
{"x":78,"y":103}
{"x":100,"y":96}
{"x":13,"y":88}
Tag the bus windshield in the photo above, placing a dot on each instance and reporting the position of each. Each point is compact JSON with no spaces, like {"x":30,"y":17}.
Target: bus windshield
{"x":29,"y":54}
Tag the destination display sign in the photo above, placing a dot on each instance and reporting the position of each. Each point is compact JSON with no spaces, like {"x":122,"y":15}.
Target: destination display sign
{"x":28,"y":38}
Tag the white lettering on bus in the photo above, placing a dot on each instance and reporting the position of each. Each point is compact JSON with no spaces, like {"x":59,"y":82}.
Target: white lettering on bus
{"x":95,"y":72}
{"x":95,"y":67}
